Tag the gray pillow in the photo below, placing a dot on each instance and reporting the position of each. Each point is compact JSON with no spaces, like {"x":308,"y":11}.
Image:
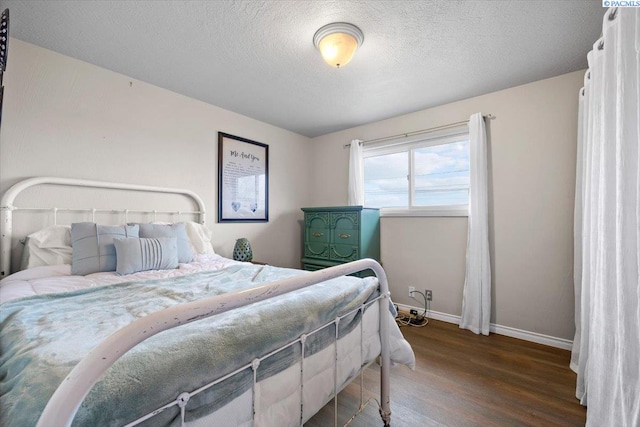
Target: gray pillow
{"x":146,"y":254}
{"x":178,"y":231}
{"x":92,"y":246}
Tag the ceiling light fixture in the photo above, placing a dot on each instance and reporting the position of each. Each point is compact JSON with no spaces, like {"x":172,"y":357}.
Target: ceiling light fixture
{"x":337,"y":42}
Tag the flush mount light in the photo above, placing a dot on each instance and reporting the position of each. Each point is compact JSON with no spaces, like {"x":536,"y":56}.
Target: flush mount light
{"x":338,"y":42}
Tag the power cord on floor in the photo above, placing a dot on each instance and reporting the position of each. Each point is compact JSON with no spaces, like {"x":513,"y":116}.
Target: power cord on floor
{"x":413,"y":318}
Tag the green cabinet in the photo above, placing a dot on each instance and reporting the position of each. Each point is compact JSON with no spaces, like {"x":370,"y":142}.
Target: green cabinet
{"x":339,"y":234}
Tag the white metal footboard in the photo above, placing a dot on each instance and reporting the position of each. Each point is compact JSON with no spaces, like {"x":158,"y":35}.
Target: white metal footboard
{"x":66,"y":400}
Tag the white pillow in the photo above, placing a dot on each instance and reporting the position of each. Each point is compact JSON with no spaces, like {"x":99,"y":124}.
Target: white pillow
{"x":200,"y":237}
{"x":49,"y":246}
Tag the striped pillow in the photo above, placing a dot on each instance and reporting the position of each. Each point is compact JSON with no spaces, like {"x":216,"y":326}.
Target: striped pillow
{"x":140,"y":254}
{"x":170,"y":230}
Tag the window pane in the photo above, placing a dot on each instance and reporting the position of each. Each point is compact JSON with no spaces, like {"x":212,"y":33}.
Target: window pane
{"x":442,"y":174}
{"x":385,"y":181}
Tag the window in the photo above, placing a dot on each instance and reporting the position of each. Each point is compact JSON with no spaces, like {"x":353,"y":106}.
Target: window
{"x":419,"y":177}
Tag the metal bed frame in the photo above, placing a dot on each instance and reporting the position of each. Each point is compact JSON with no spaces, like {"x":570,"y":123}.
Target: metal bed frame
{"x":63,"y":405}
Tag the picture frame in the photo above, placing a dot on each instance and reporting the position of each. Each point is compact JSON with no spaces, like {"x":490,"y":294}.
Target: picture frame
{"x":243,"y":179}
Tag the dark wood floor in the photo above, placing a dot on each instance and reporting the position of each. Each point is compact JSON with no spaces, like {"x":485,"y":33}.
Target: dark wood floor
{"x":462,"y":379}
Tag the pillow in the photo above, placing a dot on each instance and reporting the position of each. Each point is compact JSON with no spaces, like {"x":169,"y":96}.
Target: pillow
{"x":49,"y":246}
{"x":93,"y":249}
{"x":178,"y":231}
{"x":142,"y":254}
{"x":200,"y":237}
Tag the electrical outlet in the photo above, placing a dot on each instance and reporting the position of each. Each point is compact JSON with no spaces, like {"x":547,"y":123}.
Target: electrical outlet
{"x":429,"y":294}
{"x":412,"y":289}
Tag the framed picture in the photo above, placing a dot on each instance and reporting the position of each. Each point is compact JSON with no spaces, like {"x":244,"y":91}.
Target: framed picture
{"x":243,"y":179}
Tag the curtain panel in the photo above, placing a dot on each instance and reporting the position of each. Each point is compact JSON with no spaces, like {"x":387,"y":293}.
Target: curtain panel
{"x":606,"y":347}
{"x":476,"y":299}
{"x":356,"y":174}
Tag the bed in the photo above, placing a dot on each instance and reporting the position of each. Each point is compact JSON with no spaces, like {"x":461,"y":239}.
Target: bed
{"x":211,"y":342}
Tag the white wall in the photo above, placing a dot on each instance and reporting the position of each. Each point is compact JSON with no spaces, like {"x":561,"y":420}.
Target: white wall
{"x":64,"y":117}
{"x":532,"y":150}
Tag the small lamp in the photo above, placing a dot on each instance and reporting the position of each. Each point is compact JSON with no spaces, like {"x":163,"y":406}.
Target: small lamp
{"x":242,"y":250}
{"x":337,"y":42}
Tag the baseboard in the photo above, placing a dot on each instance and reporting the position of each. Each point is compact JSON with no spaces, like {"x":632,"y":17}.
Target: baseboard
{"x":499,"y":329}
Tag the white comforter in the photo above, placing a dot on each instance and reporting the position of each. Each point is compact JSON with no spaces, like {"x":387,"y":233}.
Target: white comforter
{"x":58,"y":278}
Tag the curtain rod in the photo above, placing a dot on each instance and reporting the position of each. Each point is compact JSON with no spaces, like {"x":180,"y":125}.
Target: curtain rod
{"x":418,"y":132}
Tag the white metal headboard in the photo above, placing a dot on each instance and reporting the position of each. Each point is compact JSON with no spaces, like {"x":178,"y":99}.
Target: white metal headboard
{"x":7,"y":207}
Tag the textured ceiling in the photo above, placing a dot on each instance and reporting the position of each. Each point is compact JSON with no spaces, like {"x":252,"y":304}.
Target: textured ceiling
{"x":257,"y":57}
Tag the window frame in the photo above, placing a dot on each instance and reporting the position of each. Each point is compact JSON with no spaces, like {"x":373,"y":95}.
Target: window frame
{"x":408,"y":145}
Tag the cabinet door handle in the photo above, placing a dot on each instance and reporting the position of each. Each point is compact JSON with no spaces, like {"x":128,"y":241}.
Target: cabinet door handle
{"x":316,"y":234}
{"x":344,"y":235}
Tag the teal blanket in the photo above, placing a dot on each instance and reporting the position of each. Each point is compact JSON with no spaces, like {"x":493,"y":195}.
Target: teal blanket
{"x":43,"y":337}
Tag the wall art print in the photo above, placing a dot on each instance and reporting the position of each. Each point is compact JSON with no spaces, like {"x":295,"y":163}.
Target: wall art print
{"x":243,"y":179}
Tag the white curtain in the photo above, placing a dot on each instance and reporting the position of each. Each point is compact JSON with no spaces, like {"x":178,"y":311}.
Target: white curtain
{"x":606,"y":349}
{"x":476,"y":300}
{"x":356,"y":174}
